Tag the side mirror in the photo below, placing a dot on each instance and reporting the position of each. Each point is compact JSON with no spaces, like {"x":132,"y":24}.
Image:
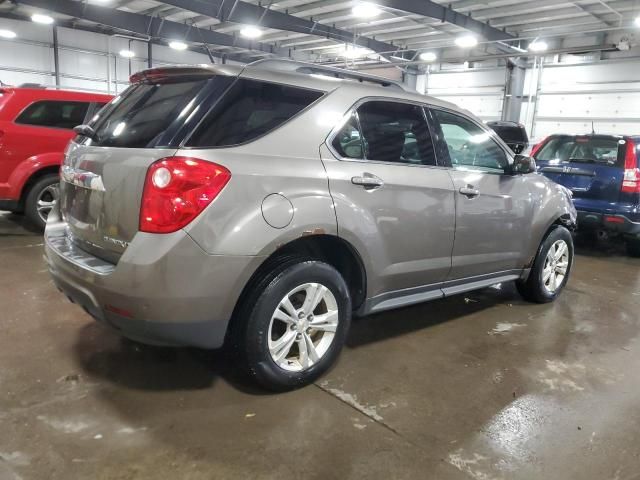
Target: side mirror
{"x":523,"y":164}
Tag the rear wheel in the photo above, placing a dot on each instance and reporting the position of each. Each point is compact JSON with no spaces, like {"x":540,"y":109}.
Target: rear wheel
{"x":551,"y":268}
{"x":293,"y":324}
{"x":633,"y":247}
{"x":41,"y":198}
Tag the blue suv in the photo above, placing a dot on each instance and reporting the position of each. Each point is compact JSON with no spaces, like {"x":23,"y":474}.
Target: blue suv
{"x":603,"y":173}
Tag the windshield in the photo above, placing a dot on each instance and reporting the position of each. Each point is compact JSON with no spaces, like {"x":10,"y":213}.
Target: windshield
{"x":603,"y":150}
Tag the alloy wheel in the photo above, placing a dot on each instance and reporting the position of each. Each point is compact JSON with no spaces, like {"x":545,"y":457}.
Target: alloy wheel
{"x":303,"y":327}
{"x":556,"y":265}
{"x":46,"y":200}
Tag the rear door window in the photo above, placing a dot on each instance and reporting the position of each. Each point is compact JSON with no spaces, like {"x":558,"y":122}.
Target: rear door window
{"x":54,"y":114}
{"x":143,"y":113}
{"x":250,"y":109}
{"x":395,"y":132}
{"x":588,"y":149}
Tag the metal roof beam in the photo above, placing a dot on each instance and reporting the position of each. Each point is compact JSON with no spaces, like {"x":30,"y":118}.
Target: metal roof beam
{"x":428,"y":8}
{"x":153,"y":27}
{"x":242,"y":12}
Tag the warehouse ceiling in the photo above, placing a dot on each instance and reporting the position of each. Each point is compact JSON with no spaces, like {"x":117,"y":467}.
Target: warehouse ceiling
{"x":334,"y":30}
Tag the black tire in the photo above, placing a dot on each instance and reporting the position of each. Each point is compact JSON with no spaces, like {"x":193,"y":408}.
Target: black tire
{"x":35,"y":192}
{"x":250,"y":329}
{"x":533,"y":289}
{"x":633,"y":247}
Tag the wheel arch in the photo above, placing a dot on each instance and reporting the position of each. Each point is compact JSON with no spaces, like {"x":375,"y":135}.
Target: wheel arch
{"x":28,"y":172}
{"x":565,"y":220}
{"x":33,"y":179}
{"x":330,"y":249}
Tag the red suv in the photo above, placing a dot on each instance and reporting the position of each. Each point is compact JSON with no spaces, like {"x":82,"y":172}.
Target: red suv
{"x":35,"y":126}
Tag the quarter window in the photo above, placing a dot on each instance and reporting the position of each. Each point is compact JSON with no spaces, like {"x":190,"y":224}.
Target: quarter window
{"x":249,"y":110}
{"x":54,"y":113}
{"x":469,"y":145}
{"x":396,"y":132}
{"x":348,"y":142}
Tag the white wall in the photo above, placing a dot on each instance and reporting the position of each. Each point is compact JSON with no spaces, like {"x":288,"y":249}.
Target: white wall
{"x":479,"y":90}
{"x":83,"y":57}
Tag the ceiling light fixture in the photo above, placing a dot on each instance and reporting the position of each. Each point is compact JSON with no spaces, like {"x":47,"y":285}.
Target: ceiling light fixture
{"x":538,"y":46}
{"x":467,"y":41}
{"x":178,"y":45}
{"x":637,"y":21}
{"x":44,"y":19}
{"x":127,"y":53}
{"x":366,"y":10}
{"x":251,"y":32}
{"x":352,"y":52}
{"x":428,"y":57}
{"x":7,"y":34}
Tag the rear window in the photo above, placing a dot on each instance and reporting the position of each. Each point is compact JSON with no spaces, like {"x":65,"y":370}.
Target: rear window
{"x":250,"y":109}
{"x":604,"y":150}
{"x":54,"y":114}
{"x":142,"y":114}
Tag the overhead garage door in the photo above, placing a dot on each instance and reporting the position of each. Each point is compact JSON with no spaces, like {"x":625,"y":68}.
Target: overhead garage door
{"x":571,"y":97}
{"x":479,"y":90}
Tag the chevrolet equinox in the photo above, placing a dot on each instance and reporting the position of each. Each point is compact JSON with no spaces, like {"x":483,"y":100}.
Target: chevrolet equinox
{"x":260,"y":207}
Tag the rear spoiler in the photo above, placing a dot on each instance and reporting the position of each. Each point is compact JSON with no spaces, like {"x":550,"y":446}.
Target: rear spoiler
{"x":165,"y":73}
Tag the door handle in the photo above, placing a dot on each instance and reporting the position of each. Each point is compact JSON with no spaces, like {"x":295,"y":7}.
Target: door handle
{"x":469,"y":191}
{"x":368,"y":181}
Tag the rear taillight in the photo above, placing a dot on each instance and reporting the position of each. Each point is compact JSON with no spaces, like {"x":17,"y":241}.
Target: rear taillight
{"x":537,"y":147}
{"x":177,"y":190}
{"x":631,"y":180}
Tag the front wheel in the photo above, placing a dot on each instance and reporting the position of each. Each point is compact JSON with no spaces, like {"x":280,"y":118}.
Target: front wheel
{"x":294,"y":324}
{"x":41,"y":198}
{"x":551,"y":268}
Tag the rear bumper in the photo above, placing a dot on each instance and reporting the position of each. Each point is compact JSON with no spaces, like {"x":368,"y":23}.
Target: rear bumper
{"x":164,"y":289}
{"x":611,"y":222}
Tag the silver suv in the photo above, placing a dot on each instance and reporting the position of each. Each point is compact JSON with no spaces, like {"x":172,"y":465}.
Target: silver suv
{"x":261,"y":207}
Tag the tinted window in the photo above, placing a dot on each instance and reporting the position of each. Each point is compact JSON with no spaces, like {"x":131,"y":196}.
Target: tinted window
{"x":469,"y":145}
{"x":572,"y":149}
{"x":53,"y":113}
{"x":249,"y":110}
{"x":142,"y":114}
{"x":348,"y":142}
{"x":396,"y":132}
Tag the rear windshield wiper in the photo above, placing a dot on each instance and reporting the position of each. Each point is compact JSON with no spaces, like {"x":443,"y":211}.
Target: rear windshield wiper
{"x":86,"y":131}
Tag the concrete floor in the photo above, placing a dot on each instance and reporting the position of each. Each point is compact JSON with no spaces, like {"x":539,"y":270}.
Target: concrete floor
{"x":480,"y":386}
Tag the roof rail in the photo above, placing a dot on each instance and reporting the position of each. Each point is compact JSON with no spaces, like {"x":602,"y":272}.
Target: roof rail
{"x":295,"y":66}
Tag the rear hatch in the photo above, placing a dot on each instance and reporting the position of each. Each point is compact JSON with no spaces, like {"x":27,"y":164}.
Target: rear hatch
{"x":103,"y":176}
{"x":513,"y":134}
{"x":591,"y":166}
